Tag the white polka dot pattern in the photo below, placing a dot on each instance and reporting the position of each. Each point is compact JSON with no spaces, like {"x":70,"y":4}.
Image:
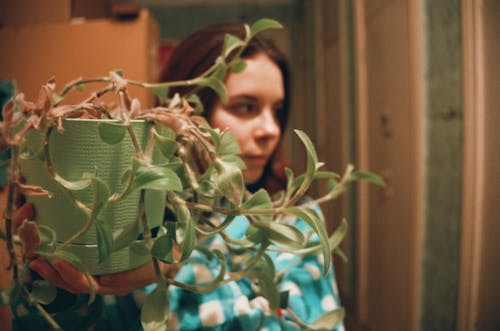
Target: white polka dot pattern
{"x":211,"y":313}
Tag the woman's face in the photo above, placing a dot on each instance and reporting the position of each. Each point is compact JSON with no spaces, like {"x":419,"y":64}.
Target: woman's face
{"x":255,"y":96}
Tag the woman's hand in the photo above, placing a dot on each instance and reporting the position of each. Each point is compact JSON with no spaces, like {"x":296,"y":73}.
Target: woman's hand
{"x":64,"y":275}
{"x":24,"y":212}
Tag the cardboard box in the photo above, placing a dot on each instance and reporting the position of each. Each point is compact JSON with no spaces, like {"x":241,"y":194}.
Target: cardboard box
{"x":33,"y":54}
{"x":29,"y":12}
{"x":24,"y":12}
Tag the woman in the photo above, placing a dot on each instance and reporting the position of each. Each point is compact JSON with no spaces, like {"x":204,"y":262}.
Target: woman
{"x":256,"y":112}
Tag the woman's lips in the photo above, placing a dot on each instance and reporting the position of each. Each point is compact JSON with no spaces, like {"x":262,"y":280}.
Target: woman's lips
{"x":259,"y":160}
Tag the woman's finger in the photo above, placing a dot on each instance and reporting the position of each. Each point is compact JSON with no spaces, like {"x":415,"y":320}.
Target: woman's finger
{"x":131,"y":279}
{"x":47,"y":272}
{"x":26,"y":211}
{"x":77,"y":280}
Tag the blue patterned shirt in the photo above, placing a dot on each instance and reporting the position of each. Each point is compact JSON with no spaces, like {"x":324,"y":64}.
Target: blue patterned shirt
{"x":233,"y":306}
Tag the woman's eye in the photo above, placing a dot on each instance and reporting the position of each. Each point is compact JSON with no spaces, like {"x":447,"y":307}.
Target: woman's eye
{"x":243,"y":108}
{"x":277,"y":111}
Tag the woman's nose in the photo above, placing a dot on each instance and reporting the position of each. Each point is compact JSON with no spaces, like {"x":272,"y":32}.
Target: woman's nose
{"x":268,"y":125}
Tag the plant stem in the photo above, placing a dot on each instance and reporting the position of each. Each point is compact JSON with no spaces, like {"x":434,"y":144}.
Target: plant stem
{"x":81,"y":81}
{"x":141,"y":214}
{"x":11,"y":193}
{"x":148,"y":153}
{"x":193,"y":181}
{"x":225,"y":211}
{"x":296,"y":319}
{"x":146,"y":233}
{"x":131,"y":132}
{"x":53,"y":324}
{"x":50,"y":169}
{"x":336,"y":191}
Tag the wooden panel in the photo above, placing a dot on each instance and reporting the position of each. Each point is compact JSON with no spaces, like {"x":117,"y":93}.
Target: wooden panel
{"x":489,"y":291}
{"x":480,"y":262}
{"x":388,"y":144}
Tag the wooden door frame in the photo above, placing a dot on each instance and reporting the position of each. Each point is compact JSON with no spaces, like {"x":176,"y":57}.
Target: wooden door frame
{"x":473,"y":176}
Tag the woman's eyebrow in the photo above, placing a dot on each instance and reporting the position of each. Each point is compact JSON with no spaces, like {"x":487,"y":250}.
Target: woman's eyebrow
{"x":243,"y":96}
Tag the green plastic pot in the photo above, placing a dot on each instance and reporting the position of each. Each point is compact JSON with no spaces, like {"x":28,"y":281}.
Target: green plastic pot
{"x":74,"y":152}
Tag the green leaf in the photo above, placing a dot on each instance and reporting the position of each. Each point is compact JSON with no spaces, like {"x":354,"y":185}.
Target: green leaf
{"x":329,"y":320}
{"x":156,"y":178}
{"x":316,"y":176}
{"x":45,"y":249}
{"x":225,"y":223}
{"x":267,"y":288}
{"x":282,"y":235}
{"x":154,"y":207}
{"x":220,"y":69}
{"x":312,"y":218}
{"x":57,"y":98}
{"x":160,"y":91}
{"x":264,"y":24}
{"x":339,"y":234}
{"x":242,"y":243}
{"x":124,"y":236}
{"x":265,"y":264}
{"x":215,"y":84}
{"x":238,"y":65}
{"x":47,"y":234}
{"x":195,"y":102}
{"x":207,"y":189}
{"x":43,"y":291}
{"x":237,"y":161}
{"x":216,"y":282}
{"x":325,"y":175}
{"x":255,"y":235}
{"x":229,"y":181}
{"x":334,"y":241}
{"x":69,"y":257}
{"x":311,"y":151}
{"x":228,"y":144}
{"x":341,"y":254}
{"x":231,"y":43}
{"x":331,"y":184}
{"x":186,"y":231}
{"x":259,"y":200}
{"x":162,"y":248}
{"x":119,"y":72}
{"x":73,"y":185}
{"x":80,"y":87}
{"x":111,"y":133}
{"x":214,"y":133}
{"x":290,"y":178}
{"x":100,"y":196}
{"x":154,"y":313}
{"x":10,"y":294}
{"x":166,"y":145}
{"x":312,"y":162}
{"x":104,"y":239}
{"x":366,"y":175}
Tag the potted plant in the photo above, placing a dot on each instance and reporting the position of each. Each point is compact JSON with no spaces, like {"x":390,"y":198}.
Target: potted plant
{"x":141,"y":161}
